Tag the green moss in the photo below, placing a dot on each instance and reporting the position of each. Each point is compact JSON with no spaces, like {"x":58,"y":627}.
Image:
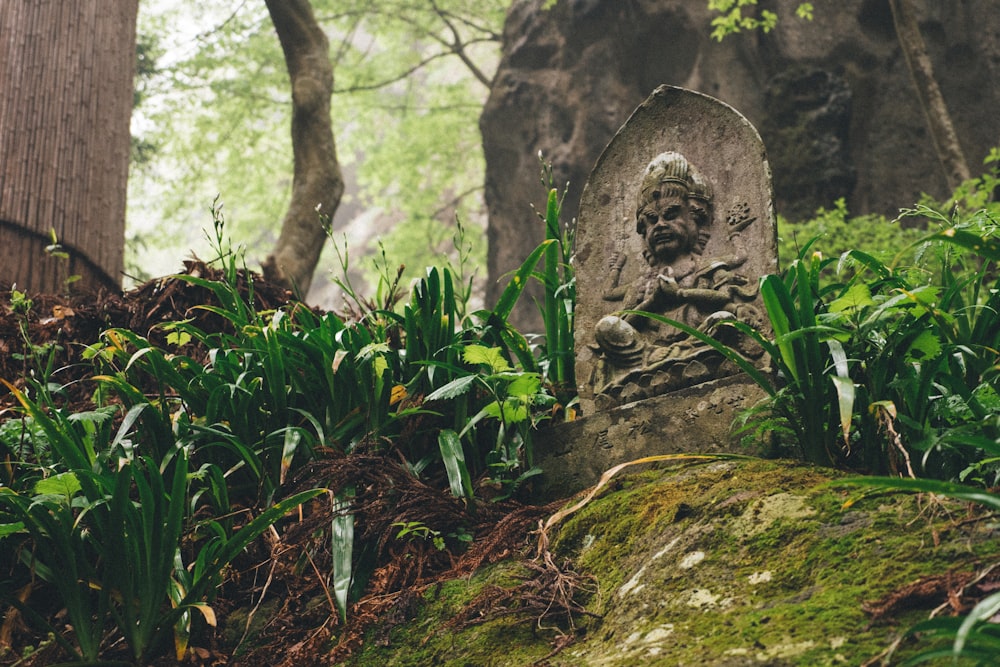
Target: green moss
{"x":722,"y":563}
{"x":429,"y":640}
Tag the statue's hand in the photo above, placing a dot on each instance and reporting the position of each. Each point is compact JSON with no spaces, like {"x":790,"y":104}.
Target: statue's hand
{"x":667,"y":289}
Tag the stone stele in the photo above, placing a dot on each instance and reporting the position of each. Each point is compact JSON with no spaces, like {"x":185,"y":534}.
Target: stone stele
{"x":676,"y":219}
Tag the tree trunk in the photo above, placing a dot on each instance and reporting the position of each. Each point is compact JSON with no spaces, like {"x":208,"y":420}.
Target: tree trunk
{"x":949,"y":150}
{"x":66,"y":72}
{"x":317,"y":184}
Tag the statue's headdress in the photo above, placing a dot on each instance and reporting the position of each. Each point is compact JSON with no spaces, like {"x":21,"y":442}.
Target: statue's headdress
{"x":667,"y":174}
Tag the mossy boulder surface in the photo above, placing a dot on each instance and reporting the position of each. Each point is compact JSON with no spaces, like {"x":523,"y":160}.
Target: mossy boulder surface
{"x":725,"y":563}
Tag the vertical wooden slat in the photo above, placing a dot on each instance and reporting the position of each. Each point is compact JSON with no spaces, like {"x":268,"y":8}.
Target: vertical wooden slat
{"x":66,"y":71}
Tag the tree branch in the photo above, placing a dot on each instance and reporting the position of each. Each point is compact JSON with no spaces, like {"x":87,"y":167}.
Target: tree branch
{"x":458,"y":48}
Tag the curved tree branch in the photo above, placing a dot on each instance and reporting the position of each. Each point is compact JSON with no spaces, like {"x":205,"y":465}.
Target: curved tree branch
{"x":458,"y":47}
{"x":317,"y":184}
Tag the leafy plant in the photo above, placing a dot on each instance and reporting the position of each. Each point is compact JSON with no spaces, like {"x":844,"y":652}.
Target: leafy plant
{"x":834,"y":231}
{"x":516,"y":397}
{"x":106,"y":529}
{"x":558,"y":356}
{"x":731,"y":18}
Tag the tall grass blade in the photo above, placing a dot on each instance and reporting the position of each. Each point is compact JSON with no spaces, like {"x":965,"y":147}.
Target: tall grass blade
{"x":518,"y":282}
{"x":747,"y":367}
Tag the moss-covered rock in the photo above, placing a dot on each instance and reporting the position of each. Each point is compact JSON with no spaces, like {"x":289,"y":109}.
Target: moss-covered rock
{"x":725,"y":563}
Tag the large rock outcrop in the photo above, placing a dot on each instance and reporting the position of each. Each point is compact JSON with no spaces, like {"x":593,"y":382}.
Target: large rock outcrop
{"x":832,"y":99}
{"x":728,"y":563}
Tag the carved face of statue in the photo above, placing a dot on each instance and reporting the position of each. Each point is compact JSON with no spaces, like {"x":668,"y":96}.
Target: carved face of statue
{"x":669,"y":226}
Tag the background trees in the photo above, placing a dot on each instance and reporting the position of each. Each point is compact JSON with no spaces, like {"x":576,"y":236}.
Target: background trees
{"x":410,"y":81}
{"x":66,"y":73}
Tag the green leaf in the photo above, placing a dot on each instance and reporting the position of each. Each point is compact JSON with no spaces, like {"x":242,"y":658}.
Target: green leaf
{"x":525,"y":385}
{"x":519,"y":281}
{"x":490,"y":356}
{"x":845,"y":402}
{"x":844,"y":386}
{"x":981,"y":613}
{"x":342,"y":545}
{"x":293,"y":437}
{"x":514,"y":411}
{"x":924,"y":347}
{"x":11,"y":528}
{"x":64,"y":484}
{"x":986,"y":247}
{"x":371,"y":350}
{"x":949,"y":489}
{"x":456,"y":387}
{"x":178,"y":338}
{"x":492,"y":409}
{"x":857,"y":297}
{"x":453,"y":457}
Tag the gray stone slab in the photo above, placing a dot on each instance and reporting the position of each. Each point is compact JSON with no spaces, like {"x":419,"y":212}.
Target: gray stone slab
{"x":676,"y":218}
{"x":694,"y":420}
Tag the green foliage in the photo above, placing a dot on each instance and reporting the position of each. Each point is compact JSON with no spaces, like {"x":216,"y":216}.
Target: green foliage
{"x":517,"y":398}
{"x":833,"y":232}
{"x":900,"y":360}
{"x":138,"y":496}
{"x":106,"y":530}
{"x":560,"y":298}
{"x":38,"y":360}
{"x":731,"y":18}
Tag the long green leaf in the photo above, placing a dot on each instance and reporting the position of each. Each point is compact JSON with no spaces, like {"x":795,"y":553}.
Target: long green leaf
{"x":221,"y":551}
{"x":456,"y":387}
{"x":985,"y":247}
{"x":518,"y":282}
{"x":949,"y":489}
{"x":453,"y":457}
{"x":844,"y":386}
{"x":755,"y":374}
{"x":985,"y":610}
{"x":781,"y":314}
{"x":342,"y":547}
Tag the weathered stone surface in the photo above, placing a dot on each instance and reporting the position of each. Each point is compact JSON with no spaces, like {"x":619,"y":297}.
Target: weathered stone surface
{"x":676,"y":219}
{"x":695,"y":420}
{"x":722,"y":564}
{"x":570,"y":76}
{"x":808,"y":115}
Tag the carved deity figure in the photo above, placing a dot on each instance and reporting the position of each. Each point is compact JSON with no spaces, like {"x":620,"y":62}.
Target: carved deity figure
{"x":638,"y":356}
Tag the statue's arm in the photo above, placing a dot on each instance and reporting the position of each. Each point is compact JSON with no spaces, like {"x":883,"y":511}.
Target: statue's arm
{"x":708,"y":297}
{"x":613,"y":290}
